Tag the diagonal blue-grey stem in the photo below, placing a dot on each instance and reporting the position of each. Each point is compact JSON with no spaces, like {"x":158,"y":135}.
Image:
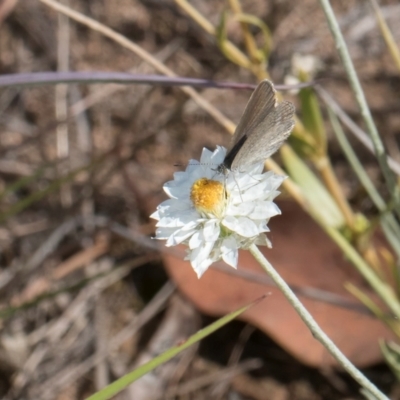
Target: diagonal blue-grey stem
{"x":316,"y":331}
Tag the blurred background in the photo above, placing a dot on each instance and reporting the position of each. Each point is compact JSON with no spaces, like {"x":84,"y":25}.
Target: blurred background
{"x":85,"y":294}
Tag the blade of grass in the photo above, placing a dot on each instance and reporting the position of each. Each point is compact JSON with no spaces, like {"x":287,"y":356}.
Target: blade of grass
{"x":386,"y":33}
{"x":223,"y":44}
{"x":314,"y":124}
{"x":391,"y":351}
{"x":353,"y":127}
{"x":210,"y":29}
{"x":127,"y":379}
{"x":320,"y":202}
{"x":365,"y":299}
{"x":264,"y":51}
{"x":384,"y":291}
{"x":248,"y":38}
{"x":389,"y":224}
{"x":362,"y":103}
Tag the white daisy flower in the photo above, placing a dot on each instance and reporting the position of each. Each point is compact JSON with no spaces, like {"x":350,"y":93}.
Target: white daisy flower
{"x":216,"y":214}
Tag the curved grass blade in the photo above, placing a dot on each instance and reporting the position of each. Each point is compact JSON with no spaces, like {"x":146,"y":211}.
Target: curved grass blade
{"x":120,"y":384}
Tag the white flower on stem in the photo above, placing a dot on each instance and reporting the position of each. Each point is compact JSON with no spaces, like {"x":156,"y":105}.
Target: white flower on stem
{"x":217,"y":214}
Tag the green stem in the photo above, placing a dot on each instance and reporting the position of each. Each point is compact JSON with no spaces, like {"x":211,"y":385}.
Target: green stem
{"x":362,"y":102}
{"x":384,"y":290}
{"x":316,"y":331}
{"x":388,"y":221}
{"x":386,"y":33}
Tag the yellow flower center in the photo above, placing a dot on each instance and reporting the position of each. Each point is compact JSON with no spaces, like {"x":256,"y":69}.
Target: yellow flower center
{"x":208,"y":196}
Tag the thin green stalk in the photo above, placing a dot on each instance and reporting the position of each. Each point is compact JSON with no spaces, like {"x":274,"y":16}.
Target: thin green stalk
{"x":386,"y":33}
{"x":355,"y":163}
{"x":120,"y":384}
{"x":353,"y":127}
{"x":388,"y":222}
{"x":316,"y":331}
{"x":384,"y":291}
{"x":235,"y":53}
{"x":362,"y":102}
{"x":249,"y":41}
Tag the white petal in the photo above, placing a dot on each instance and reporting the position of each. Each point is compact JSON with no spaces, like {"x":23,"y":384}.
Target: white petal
{"x":179,"y":176}
{"x":206,"y":156}
{"x":211,"y":230}
{"x":191,"y":166}
{"x":229,"y":250}
{"x":241,"y":225}
{"x":171,"y":205}
{"x":180,"y":191}
{"x":255,"y":192}
{"x":178,"y":237}
{"x":213,"y":158}
{"x":243,"y":209}
{"x":215,"y":254}
{"x":186,"y":208}
{"x":271,"y":195}
{"x":262,"y":226}
{"x":256,"y":168}
{"x":168,"y":222}
{"x":262,"y":240}
{"x":264,"y":210}
{"x":155,"y":215}
{"x":210,"y":162}
{"x":202,"y":267}
{"x":244,"y":181}
{"x":276,"y":180}
{"x":164,"y":207}
{"x":201,"y":252}
{"x":182,"y":234}
{"x":218,"y":156}
{"x":178,"y":220}
{"x":196,"y":240}
{"x":259,"y":187}
{"x":200,"y":257}
{"x":164,"y":233}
